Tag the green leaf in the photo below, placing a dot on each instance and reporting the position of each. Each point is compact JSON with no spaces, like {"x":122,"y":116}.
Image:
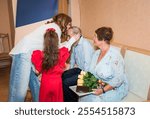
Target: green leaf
{"x":90,"y":80}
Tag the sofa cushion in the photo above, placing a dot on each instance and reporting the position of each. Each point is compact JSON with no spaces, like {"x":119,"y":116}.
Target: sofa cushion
{"x":131,"y":97}
{"x":137,"y":66}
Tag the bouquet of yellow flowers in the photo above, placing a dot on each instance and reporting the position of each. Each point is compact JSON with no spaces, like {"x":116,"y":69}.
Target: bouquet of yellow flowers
{"x":87,"y":81}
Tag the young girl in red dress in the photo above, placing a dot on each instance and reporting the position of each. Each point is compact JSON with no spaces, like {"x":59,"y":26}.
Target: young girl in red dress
{"x":50,"y":63}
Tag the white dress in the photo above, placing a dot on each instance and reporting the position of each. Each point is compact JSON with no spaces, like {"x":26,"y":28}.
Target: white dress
{"x":110,"y":70}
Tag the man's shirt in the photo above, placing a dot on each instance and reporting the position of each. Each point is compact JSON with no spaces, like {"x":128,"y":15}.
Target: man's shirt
{"x":82,"y":54}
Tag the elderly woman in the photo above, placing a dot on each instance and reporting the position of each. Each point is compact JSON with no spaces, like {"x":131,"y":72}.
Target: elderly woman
{"x":107,"y":65}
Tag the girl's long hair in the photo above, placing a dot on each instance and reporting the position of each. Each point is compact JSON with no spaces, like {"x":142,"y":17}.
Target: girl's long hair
{"x":51,"y":50}
{"x":62,"y":20}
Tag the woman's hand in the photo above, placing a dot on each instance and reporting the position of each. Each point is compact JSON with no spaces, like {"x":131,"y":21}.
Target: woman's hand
{"x":38,"y":74}
{"x":98,"y":91}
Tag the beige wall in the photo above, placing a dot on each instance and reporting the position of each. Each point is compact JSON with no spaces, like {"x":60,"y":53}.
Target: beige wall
{"x":4,"y":17}
{"x":4,"y":21}
{"x":75,"y":12}
{"x":130,"y":20}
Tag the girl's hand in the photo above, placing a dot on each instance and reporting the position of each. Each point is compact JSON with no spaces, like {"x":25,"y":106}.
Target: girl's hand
{"x":37,"y":72}
{"x":39,"y":77}
{"x":77,"y":36}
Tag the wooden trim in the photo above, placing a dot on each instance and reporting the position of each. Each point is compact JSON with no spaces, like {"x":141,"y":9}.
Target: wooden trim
{"x":126,"y":47}
{"x":123,"y":51}
{"x":148,"y":97}
{"x":63,"y":6}
{"x":139,"y":50}
{"x":5,"y":36}
{"x":11,"y":22}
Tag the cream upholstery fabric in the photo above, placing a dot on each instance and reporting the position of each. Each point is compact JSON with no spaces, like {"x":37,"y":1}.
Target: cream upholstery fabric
{"x":132,"y":98}
{"x":137,"y":67}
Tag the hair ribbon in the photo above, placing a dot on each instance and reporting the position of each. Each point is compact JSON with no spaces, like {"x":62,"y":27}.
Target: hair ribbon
{"x":50,"y":29}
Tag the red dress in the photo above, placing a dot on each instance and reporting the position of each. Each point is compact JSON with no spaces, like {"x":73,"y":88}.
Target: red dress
{"x":51,"y":82}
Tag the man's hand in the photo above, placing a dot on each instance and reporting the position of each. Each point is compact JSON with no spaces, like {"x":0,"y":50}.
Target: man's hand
{"x":67,"y":66}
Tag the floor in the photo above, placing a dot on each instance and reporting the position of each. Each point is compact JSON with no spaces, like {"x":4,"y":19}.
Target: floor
{"x":4,"y":86}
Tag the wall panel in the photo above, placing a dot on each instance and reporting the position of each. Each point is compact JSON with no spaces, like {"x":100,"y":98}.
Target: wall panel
{"x":130,"y":20}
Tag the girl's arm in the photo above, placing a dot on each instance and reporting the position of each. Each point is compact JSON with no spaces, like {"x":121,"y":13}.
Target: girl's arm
{"x":70,"y":42}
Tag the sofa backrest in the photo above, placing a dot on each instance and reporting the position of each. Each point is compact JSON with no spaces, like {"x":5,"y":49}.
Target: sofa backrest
{"x":137,"y":67}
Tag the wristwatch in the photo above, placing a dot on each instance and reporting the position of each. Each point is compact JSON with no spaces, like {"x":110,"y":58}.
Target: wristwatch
{"x":103,"y":89}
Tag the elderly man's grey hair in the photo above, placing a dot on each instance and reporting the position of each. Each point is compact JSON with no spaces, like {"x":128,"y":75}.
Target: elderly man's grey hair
{"x":76,"y":30}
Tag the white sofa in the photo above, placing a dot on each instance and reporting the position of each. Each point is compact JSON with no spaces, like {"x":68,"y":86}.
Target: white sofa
{"x":137,"y":67}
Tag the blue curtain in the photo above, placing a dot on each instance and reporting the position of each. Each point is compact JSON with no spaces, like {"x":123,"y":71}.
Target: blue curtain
{"x":31,"y":11}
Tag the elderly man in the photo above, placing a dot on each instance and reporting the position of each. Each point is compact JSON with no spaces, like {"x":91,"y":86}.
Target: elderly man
{"x":80,"y":59}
